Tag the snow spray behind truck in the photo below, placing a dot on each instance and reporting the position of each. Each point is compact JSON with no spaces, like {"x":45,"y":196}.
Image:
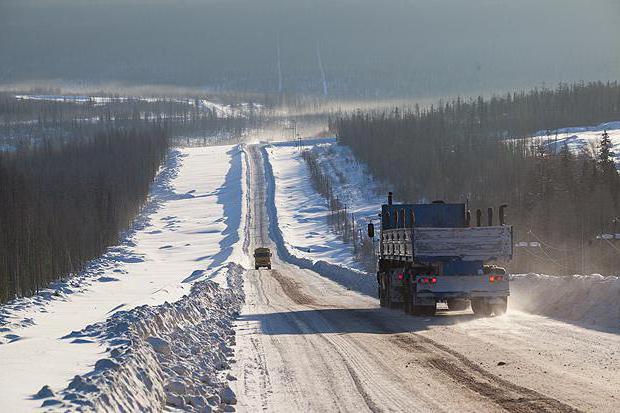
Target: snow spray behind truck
{"x":431,"y":253}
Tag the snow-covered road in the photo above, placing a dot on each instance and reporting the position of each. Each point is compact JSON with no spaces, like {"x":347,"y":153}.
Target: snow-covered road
{"x":306,"y":343}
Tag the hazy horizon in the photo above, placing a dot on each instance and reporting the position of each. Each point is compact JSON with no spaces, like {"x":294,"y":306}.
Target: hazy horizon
{"x":394,"y":48}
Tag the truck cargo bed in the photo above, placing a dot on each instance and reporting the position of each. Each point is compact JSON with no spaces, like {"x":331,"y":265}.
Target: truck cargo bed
{"x":466,"y":244}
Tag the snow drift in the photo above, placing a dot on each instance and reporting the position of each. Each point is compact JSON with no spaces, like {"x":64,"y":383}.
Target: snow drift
{"x":347,"y":276}
{"x":176,"y":354}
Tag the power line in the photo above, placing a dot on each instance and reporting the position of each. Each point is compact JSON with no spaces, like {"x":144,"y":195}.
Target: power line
{"x":546,"y":259}
{"x":612,"y":245}
{"x":551,"y":246}
{"x":320,"y":61}
{"x":552,"y":260}
{"x":279,"y":65}
{"x":540,"y":257}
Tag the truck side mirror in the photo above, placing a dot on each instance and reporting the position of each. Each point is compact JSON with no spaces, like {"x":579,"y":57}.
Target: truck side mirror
{"x":371,"y":230}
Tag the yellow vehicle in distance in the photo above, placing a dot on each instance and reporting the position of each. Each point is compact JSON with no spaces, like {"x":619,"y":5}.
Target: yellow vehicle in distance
{"x":262,"y":258}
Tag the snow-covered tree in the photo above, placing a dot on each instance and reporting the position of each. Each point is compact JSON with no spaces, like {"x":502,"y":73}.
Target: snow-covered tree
{"x":606,"y":154}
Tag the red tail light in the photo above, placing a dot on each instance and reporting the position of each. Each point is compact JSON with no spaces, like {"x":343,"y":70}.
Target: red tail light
{"x":493,"y":278}
{"x":427,"y":280}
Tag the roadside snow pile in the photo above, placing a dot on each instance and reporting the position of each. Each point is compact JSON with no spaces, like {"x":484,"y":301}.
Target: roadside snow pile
{"x":591,"y":299}
{"x":298,"y":220}
{"x":172,"y":354}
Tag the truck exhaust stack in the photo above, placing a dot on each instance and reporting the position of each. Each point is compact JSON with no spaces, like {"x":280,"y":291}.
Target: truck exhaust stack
{"x":502,"y":214}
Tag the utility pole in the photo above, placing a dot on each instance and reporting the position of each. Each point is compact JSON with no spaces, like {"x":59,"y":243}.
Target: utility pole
{"x":292,"y":127}
{"x":278,"y":64}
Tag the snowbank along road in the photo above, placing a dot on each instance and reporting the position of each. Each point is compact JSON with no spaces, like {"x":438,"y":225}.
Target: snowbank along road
{"x":78,"y":332}
{"x":306,"y":343}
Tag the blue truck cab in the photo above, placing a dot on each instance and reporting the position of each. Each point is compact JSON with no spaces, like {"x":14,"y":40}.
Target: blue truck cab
{"x":432,"y":253}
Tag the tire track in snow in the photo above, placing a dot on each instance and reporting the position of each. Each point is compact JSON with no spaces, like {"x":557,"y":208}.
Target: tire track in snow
{"x":356,"y":365}
{"x":264,"y":379}
{"x":372,"y":406}
{"x":292,"y":289}
{"x":350,"y":355}
{"x":345,"y":358}
{"x":509,"y":396}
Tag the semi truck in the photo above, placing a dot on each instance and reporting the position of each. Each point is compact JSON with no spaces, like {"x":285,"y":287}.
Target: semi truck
{"x":435,"y":252}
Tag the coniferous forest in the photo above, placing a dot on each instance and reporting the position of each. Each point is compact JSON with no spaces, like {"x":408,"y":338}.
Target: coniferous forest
{"x":64,"y":204}
{"x":24,"y":119}
{"x":74,"y":173}
{"x":482,"y":151}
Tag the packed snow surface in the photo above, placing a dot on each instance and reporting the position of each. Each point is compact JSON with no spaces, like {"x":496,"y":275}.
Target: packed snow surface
{"x":187,"y":233}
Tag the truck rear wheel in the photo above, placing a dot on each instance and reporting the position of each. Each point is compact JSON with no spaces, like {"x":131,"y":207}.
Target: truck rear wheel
{"x":500,"y":309}
{"x":423,"y":310}
{"x":481,"y":307}
{"x":409,"y":297}
{"x":384,"y":300}
{"x":412,"y":308}
{"x":391,"y":303}
{"x":457,"y":304}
